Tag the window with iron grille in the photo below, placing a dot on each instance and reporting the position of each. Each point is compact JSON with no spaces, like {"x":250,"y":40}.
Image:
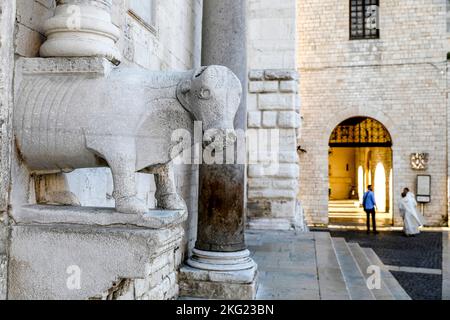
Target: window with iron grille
{"x":364,"y":19}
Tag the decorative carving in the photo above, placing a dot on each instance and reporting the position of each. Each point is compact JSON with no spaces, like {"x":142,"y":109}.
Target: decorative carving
{"x":123,"y":119}
{"x":419,"y":161}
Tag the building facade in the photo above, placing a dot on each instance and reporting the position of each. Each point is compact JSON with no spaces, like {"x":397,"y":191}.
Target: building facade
{"x":396,"y":75}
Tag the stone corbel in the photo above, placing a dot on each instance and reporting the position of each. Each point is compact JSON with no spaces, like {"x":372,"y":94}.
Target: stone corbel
{"x":82,"y":28}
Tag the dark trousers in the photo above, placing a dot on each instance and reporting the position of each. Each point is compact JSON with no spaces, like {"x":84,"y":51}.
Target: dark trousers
{"x":374,"y":220}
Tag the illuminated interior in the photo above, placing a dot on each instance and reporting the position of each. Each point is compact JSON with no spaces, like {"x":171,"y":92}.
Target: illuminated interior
{"x":360,"y":154}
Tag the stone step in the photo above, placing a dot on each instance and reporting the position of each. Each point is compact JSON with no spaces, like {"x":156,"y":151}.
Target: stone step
{"x":338,"y":202}
{"x":353,"y":276}
{"x":331,"y":281}
{"x":383,"y":293}
{"x":394,"y":287}
{"x":357,"y":221}
{"x":269,"y":224}
{"x":345,"y":210}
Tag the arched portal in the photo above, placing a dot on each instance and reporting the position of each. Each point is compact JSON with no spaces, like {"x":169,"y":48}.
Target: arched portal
{"x":360,"y":154}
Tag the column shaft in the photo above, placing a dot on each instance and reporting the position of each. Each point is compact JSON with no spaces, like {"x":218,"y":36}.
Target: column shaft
{"x":222,"y":187}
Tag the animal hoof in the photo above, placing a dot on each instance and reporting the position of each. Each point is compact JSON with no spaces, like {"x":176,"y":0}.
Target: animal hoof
{"x":131,"y":205}
{"x":171,"y":202}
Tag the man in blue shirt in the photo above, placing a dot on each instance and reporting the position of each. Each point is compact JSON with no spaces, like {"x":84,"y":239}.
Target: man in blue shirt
{"x":369,"y":205}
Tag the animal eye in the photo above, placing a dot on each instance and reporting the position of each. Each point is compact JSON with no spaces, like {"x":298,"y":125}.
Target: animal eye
{"x":204,"y":94}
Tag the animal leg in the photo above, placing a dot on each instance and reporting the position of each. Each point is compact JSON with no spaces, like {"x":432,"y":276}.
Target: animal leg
{"x":125,"y":191}
{"x":120,"y":154}
{"x":166,"y":191}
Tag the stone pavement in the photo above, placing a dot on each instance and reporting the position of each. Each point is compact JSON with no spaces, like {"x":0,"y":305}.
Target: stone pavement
{"x":287,"y":265}
{"x":320,"y":266}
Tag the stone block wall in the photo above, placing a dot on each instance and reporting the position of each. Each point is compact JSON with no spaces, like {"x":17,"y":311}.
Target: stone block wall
{"x":272,"y":34}
{"x":160,"y":281}
{"x":3,"y":276}
{"x":399,"y":80}
{"x":273,"y":107}
{"x":273,"y":115}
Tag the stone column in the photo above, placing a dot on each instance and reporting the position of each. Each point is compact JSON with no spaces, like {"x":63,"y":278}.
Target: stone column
{"x":222,"y":187}
{"x":220,"y":258}
{"x":82,"y":28}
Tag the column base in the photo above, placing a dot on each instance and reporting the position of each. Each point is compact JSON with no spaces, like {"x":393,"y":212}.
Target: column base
{"x":219,"y":275}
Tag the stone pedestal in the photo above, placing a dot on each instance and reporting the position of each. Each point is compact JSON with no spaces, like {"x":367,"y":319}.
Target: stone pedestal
{"x":219,"y":275}
{"x":82,"y":28}
{"x":74,"y":253}
{"x":221,"y":285}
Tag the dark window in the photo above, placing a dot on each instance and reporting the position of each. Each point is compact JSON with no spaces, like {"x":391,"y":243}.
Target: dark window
{"x":364,"y":19}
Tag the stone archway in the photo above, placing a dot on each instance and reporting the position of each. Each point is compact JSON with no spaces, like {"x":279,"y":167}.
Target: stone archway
{"x":360,"y":154}
{"x":314,"y":176}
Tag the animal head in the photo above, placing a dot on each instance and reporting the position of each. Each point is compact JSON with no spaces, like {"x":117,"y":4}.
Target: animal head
{"x":213,"y":96}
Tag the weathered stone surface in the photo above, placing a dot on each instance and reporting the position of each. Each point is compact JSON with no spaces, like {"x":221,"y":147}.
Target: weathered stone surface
{"x":3,"y":276}
{"x":45,"y":259}
{"x":289,"y":86}
{"x":221,"y":261}
{"x":7,"y":18}
{"x":238,"y":285}
{"x":222,"y":187}
{"x":82,"y":29}
{"x":106,"y":217}
{"x":3,"y":234}
{"x":256,"y":75}
{"x":283,"y":75}
{"x":119,"y":124}
{"x":272,"y":185}
{"x":175,"y":47}
{"x":160,"y":281}
{"x":254,"y":119}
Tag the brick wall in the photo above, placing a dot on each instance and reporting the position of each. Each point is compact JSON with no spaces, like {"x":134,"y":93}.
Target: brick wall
{"x":399,"y":80}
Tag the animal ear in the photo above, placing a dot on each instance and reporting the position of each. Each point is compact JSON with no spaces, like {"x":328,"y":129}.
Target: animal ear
{"x":185,"y":86}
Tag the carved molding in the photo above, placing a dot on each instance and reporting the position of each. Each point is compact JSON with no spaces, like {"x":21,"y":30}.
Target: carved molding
{"x":82,"y":28}
{"x":94,"y":65}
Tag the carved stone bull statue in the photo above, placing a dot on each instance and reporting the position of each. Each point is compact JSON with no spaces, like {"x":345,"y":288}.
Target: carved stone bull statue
{"x":123,"y":120}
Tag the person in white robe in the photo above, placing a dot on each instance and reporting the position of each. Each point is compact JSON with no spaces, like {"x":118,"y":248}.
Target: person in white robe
{"x":413,"y":220}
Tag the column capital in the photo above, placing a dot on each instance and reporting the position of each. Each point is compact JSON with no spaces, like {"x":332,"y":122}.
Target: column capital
{"x":82,"y":28}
